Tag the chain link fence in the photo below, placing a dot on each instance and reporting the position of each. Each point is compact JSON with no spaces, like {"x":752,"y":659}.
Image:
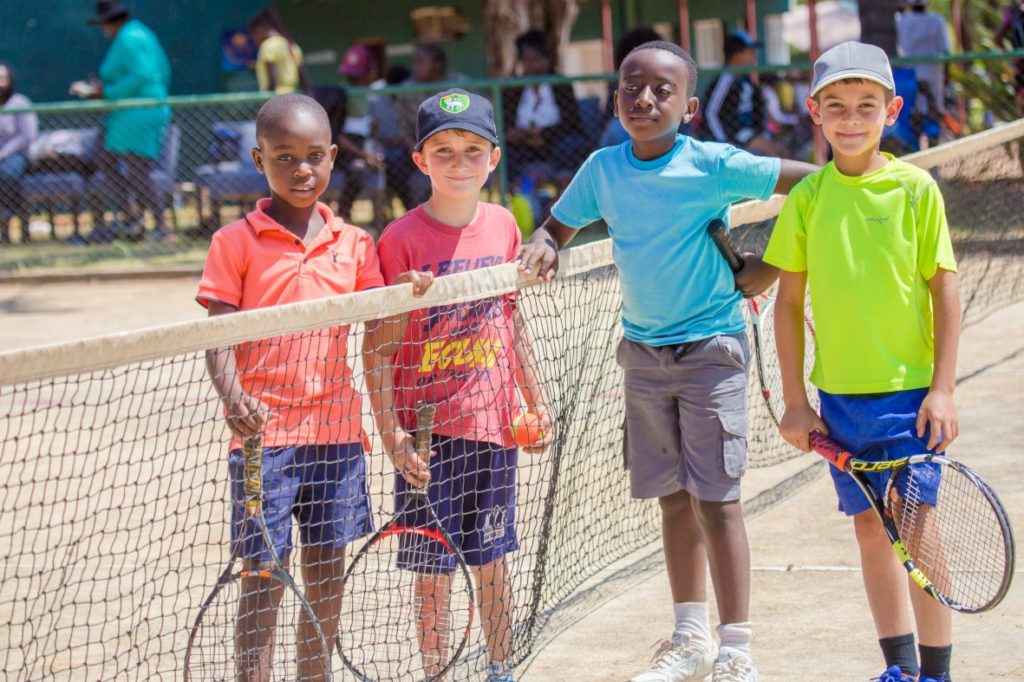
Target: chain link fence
{"x":72,"y":203}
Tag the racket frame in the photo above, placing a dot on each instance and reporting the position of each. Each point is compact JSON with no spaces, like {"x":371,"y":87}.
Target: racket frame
{"x":856,"y":468}
{"x":417,"y":497}
{"x":252,"y":463}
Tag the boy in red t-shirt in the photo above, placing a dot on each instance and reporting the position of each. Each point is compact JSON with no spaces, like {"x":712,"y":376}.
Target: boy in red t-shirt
{"x":295,"y":391}
{"x":468,"y":359}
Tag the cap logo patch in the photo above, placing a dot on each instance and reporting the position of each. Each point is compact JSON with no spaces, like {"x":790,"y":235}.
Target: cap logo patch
{"x":454,"y":103}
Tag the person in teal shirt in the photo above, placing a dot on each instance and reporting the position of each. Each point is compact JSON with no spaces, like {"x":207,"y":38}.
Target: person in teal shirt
{"x":135,"y":66}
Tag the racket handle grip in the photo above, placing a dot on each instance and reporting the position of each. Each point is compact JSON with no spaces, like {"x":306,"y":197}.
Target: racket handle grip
{"x":252,"y":473}
{"x":717,"y":232}
{"x":424,"y":428}
{"x":830,"y":450}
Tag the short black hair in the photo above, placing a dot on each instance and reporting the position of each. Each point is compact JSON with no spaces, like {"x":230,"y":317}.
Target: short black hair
{"x":691,"y":66}
{"x":534,"y":39}
{"x":277,"y":109}
{"x":435,"y":52}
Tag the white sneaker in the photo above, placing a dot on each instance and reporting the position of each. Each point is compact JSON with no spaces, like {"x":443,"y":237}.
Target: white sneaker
{"x":677,"y":660}
{"x":734,"y":668}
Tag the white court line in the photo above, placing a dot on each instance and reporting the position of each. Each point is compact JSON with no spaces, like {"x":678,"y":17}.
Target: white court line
{"x":812,"y":568}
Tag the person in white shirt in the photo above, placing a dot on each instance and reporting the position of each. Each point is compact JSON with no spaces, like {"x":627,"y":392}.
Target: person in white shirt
{"x":920,"y":33}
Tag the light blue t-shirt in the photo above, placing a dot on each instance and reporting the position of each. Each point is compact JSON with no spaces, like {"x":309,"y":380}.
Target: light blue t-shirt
{"x":676,"y":287}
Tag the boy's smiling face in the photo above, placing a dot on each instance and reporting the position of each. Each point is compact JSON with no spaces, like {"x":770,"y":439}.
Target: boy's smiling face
{"x":458,"y":162}
{"x":653,"y":99}
{"x":296,"y":155}
{"x":853,"y":115}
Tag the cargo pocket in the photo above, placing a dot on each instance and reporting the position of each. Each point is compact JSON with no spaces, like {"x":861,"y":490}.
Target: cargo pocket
{"x":734,"y":442}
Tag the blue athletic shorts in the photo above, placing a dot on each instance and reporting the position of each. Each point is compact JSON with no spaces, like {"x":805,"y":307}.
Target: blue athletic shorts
{"x":322,"y":486}
{"x":473,"y":490}
{"x":876,"y":427}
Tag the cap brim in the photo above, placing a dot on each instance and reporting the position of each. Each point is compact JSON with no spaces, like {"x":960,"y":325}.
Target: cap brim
{"x":848,"y":75}
{"x":456,"y":125}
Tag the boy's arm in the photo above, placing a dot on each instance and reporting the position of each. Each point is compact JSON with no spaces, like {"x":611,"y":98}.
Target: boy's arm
{"x":792,"y":172}
{"x":529,"y":382}
{"x":246,"y":414}
{"x":938,"y":413}
{"x":542,"y":250}
{"x":799,"y":419}
{"x":398,"y":443}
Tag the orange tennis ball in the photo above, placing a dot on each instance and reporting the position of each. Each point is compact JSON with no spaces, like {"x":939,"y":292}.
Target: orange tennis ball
{"x":527,"y":430}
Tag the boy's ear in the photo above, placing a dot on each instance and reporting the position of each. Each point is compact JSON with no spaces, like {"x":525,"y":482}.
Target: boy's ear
{"x":495,"y":158}
{"x":814,"y":109}
{"x":692,"y":105}
{"x":417,"y":158}
{"x":615,"y":102}
{"x":892,"y":110}
{"x":334,"y":153}
{"x":257,"y":158}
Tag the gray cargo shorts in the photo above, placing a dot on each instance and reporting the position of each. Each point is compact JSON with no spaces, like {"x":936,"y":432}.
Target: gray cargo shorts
{"x":686,"y":417}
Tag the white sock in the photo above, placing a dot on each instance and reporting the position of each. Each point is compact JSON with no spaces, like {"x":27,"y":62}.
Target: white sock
{"x":692,"y":620}
{"x":735,"y":639}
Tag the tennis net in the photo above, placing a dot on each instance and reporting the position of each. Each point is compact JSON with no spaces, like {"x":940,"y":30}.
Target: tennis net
{"x":114,"y":511}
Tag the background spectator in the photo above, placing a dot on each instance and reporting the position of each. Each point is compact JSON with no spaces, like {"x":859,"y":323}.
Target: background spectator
{"x":734,"y":109}
{"x":1012,"y":31}
{"x":356,"y":153}
{"x":135,"y":66}
{"x":920,"y":33}
{"x":395,"y":125}
{"x":279,"y":66}
{"x":613,"y":132}
{"x":17,"y":131}
{"x":542,"y":122}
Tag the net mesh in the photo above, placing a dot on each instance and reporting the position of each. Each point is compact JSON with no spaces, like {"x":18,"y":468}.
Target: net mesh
{"x":115,"y":513}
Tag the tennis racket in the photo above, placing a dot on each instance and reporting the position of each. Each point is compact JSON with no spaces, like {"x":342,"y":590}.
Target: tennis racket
{"x":410,"y":622}
{"x":255,"y":624}
{"x":761,"y":310}
{"x":946,"y":525}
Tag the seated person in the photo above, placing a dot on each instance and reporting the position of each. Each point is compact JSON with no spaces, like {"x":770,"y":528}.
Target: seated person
{"x":543,"y":131}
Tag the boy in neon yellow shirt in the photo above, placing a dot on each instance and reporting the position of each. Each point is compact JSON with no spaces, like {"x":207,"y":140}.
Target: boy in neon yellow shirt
{"x":868,"y":235}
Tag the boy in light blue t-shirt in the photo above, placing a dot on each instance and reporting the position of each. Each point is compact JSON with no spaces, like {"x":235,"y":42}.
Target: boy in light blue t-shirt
{"x":685,"y":352}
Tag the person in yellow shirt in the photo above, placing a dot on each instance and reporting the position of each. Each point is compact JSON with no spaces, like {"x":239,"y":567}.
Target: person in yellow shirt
{"x":279,"y":66}
{"x":867,"y":235}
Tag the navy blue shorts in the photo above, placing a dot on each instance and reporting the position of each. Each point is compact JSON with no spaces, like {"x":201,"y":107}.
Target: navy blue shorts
{"x":473,"y":490}
{"x":877,"y":427}
{"x":322,"y":486}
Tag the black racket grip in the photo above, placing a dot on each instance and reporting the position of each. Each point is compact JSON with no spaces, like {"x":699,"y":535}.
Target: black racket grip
{"x":717,"y":232}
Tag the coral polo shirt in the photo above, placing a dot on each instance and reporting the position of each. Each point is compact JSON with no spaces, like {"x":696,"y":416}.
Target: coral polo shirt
{"x":303,"y":379}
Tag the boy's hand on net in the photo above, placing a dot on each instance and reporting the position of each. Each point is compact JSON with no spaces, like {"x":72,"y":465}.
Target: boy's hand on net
{"x":797,"y":424}
{"x":938,"y":414}
{"x":401,"y":449}
{"x":540,"y":255}
{"x":756,"y":275}
{"x":246,"y":415}
{"x":420,"y":279}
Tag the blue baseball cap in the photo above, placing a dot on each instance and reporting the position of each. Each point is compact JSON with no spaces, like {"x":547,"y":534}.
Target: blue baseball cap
{"x":456,"y":109}
{"x":738,"y":41}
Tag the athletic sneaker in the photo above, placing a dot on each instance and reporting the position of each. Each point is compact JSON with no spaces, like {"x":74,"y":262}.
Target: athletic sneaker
{"x":495,"y":673}
{"x":893,"y":674}
{"x":677,"y":660}
{"x":926,"y":678}
{"x":734,"y":668}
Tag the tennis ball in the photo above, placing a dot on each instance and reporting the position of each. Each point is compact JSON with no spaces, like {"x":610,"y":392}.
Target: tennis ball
{"x":527,"y":430}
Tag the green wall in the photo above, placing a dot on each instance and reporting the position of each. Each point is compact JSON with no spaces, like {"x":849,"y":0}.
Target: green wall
{"x":49,"y":45}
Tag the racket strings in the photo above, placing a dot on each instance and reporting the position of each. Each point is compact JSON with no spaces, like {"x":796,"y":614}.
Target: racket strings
{"x":952,"y":530}
{"x":243,"y":635}
{"x":404,"y":621}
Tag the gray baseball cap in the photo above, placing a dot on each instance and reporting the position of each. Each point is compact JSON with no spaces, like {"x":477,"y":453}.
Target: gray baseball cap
{"x":852,"y":60}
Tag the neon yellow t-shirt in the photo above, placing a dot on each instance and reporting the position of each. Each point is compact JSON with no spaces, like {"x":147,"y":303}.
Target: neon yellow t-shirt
{"x":869,"y":245}
{"x":285,"y":57}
